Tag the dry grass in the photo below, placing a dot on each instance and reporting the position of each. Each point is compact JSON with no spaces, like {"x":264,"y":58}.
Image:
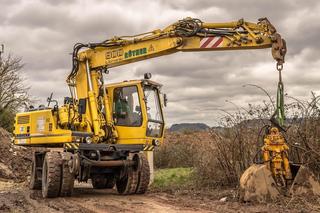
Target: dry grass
{"x":220,"y":156}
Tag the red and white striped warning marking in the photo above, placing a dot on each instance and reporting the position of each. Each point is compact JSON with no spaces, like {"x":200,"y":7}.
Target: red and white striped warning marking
{"x":211,"y":42}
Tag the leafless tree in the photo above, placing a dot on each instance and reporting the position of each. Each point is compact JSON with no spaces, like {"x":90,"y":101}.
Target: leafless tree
{"x":13,"y":91}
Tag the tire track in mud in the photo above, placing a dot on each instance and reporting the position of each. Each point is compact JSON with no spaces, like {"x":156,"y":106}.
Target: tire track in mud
{"x":108,"y":200}
{"x":18,"y":198}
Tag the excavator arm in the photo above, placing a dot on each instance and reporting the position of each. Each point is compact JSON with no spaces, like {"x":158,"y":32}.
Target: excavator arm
{"x":187,"y":35}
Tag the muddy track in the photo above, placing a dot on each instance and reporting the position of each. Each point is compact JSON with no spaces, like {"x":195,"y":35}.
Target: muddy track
{"x":18,"y":198}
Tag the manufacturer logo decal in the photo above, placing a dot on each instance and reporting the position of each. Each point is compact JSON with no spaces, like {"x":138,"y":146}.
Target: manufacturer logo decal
{"x":134,"y":53}
{"x":114,"y":53}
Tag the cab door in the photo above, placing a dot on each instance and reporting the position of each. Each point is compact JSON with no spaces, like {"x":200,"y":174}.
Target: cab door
{"x":127,"y":107}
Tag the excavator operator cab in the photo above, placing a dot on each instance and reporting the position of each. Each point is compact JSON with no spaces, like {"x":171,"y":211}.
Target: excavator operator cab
{"x":137,"y":111}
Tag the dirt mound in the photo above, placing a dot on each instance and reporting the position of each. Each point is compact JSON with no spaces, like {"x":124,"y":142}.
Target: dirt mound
{"x":15,"y":161}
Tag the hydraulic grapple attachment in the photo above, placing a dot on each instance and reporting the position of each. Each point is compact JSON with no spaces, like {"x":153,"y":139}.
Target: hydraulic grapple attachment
{"x":265,"y":182}
{"x":258,"y":184}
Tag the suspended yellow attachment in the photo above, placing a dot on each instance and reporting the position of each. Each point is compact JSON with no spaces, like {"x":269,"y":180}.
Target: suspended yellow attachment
{"x":276,"y":176}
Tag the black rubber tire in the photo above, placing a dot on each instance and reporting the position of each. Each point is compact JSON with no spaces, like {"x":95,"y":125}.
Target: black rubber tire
{"x":51,"y":175}
{"x":124,"y":185}
{"x":143,"y":175}
{"x":67,"y":179}
{"x":35,"y":182}
{"x":99,"y":181}
{"x":127,"y":185}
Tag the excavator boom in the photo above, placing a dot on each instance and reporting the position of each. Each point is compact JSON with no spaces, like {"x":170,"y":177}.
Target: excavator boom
{"x":187,"y":35}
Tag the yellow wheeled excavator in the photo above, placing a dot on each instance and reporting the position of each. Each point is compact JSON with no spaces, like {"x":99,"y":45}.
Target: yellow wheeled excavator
{"x":102,"y":132}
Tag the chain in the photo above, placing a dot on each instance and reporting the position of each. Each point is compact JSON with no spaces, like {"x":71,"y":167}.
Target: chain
{"x":279,"y":66}
{"x":279,"y":112}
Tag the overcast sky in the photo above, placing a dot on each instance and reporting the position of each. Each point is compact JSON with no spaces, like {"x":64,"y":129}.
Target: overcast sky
{"x":44,"y":32}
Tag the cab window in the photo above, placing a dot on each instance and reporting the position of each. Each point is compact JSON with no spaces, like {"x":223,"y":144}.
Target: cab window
{"x":155,"y":119}
{"x":126,"y":106}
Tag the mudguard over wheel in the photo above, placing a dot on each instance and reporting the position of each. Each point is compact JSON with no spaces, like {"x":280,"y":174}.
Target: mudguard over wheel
{"x":51,"y":175}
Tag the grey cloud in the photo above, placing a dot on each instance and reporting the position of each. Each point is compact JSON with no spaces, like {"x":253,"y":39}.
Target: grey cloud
{"x":38,"y":15}
{"x":249,"y":9}
{"x":59,"y":2}
{"x":43,"y":33}
{"x":209,"y":68}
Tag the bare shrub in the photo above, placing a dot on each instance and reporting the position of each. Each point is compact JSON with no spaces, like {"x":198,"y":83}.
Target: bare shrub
{"x":176,"y":151}
{"x":221,"y":155}
{"x":238,"y":144}
{"x":231,"y":149}
{"x":303,"y":136}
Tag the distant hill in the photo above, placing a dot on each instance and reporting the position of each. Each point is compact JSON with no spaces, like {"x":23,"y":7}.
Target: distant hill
{"x":188,"y":127}
{"x":194,"y":127}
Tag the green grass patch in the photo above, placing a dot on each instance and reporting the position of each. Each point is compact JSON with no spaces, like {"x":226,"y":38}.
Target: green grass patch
{"x":172,"y":179}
